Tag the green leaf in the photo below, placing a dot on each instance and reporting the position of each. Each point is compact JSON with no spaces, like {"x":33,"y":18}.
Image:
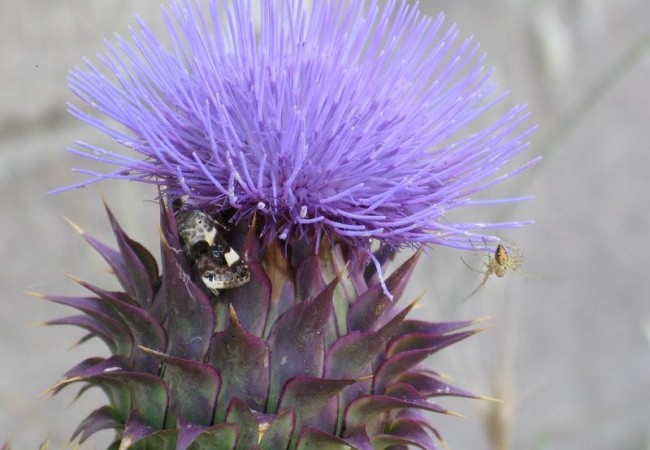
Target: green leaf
{"x":193,"y":389}
{"x":160,"y":440}
{"x":149,"y":398}
{"x":311,"y":439}
{"x":218,"y":437}
{"x":239,"y":414}
{"x":278,"y":434}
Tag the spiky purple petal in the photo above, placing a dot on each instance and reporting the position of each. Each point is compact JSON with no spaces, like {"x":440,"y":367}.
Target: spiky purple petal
{"x":350,"y":119}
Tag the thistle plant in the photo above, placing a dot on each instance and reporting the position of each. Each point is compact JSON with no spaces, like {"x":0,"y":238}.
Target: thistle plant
{"x":293,"y":162}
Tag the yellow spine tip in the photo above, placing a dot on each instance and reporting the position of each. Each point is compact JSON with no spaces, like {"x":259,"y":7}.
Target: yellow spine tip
{"x":73,"y":277}
{"x":77,"y":228}
{"x":489,"y":399}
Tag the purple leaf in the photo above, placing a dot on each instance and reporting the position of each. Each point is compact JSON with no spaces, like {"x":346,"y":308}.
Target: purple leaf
{"x":358,"y":437}
{"x":252,"y":300}
{"x":406,"y":393}
{"x":187,"y":432}
{"x":135,"y":429}
{"x":127,"y":390}
{"x":114,"y":259}
{"x":116,"y":335}
{"x":430,"y":386}
{"x":309,"y":279}
{"x":419,"y":416}
{"x":283,"y":292}
{"x":190,"y":316}
{"x":103,"y":418}
{"x":103,"y":375}
{"x":137,"y":269}
{"x":419,"y":341}
{"x":402,"y":362}
{"x":168,"y":226}
{"x":87,"y":364}
{"x":387,"y":441}
{"x":297,"y":341}
{"x":370,"y":306}
{"x":434,"y":328}
{"x":251,"y":244}
{"x":140,"y":391}
{"x":96,"y":327}
{"x":314,"y":401}
{"x":412,"y":433}
{"x":144,"y":327}
{"x":368,"y":408}
{"x":384,"y":255}
{"x":350,"y":354}
{"x":243,"y":362}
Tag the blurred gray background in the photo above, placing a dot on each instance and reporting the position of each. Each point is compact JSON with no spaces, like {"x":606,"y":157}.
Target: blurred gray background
{"x":568,"y":353}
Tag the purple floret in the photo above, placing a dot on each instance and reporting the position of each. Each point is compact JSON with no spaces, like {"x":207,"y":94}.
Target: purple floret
{"x":351,"y":120}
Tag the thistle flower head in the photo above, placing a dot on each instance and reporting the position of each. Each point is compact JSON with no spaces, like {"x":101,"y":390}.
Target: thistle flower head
{"x":350,"y":119}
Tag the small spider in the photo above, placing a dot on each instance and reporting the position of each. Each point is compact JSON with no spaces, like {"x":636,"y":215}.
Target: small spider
{"x":497,"y":265}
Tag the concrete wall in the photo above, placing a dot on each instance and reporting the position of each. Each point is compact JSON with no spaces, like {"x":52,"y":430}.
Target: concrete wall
{"x":569,"y":353}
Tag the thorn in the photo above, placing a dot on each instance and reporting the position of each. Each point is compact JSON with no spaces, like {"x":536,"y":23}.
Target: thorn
{"x":444,"y":443}
{"x":153,"y":352}
{"x":45,"y":444}
{"x":445,"y":376}
{"x":413,"y":304}
{"x":364,"y":378}
{"x":480,"y":330}
{"x":417,"y":304}
{"x":489,"y":399}
{"x":234,"y":320}
{"x":455,"y":414}
{"x":484,"y":319}
{"x":74,"y":278}
{"x":34,"y":294}
{"x":77,"y":228}
{"x":58,"y":385}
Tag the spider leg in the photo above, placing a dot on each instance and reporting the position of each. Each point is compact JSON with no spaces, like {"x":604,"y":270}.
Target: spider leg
{"x":473,"y":269}
{"x":487,"y":274}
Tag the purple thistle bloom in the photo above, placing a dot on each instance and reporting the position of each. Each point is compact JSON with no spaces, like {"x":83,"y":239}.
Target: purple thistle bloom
{"x":349,"y":120}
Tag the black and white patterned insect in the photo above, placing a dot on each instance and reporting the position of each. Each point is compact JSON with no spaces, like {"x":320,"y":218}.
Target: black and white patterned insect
{"x":215,"y":261}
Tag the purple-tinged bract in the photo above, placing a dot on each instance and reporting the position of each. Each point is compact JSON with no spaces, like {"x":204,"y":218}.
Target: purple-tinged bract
{"x":348,"y":119}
